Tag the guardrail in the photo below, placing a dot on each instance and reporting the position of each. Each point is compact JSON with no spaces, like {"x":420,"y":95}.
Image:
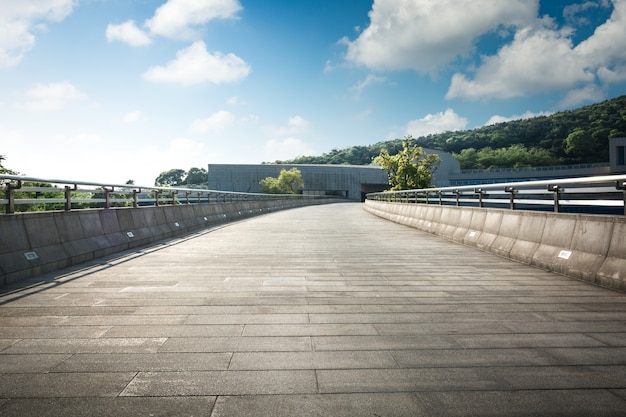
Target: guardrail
{"x":595,"y":195}
{"x":20,"y":193}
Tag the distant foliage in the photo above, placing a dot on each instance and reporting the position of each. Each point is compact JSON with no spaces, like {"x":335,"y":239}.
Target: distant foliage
{"x":287,"y":182}
{"x":179,"y":177}
{"x":579,"y":136}
{"x":411,"y":168}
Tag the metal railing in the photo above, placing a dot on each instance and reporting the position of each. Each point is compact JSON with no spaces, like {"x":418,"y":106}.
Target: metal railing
{"x":595,"y":195}
{"x":19,"y":193}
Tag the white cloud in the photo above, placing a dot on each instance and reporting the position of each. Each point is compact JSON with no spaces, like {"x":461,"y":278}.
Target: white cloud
{"x":195,"y":65}
{"x":127,"y":32}
{"x":295,"y":125}
{"x":589,"y":94}
{"x":19,"y":19}
{"x":83,"y":139}
{"x":53,"y":96}
{"x":214,"y":123}
{"x":495,"y":119}
{"x":369,"y":80}
{"x":424,"y":35}
{"x":177,"y":18}
{"x":538,"y":59}
{"x":542,"y":58}
{"x":131,"y":117}
{"x":436,"y":123}
{"x":288,"y":148}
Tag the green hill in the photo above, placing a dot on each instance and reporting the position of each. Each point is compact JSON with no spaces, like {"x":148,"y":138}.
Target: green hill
{"x":577,"y":136}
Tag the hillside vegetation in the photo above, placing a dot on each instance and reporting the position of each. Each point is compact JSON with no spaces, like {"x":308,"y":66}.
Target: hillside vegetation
{"x":577,"y":136}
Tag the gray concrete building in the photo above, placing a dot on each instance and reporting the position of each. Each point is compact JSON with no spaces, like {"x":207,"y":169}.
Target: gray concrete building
{"x":348,"y":181}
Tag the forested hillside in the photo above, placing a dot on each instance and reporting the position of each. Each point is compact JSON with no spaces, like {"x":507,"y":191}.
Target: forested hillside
{"x":571,"y":137}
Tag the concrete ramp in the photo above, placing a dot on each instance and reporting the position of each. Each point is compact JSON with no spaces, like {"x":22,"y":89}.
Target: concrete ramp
{"x":316,"y":311}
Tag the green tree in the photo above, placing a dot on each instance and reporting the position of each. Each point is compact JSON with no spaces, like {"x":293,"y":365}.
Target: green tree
{"x":411,"y":168}
{"x":579,"y":143}
{"x":173,"y":177}
{"x":4,"y":170}
{"x":288,"y":182}
{"x":196,"y":176}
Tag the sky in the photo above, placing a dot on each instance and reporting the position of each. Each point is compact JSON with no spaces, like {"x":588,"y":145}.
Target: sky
{"x":116,"y":90}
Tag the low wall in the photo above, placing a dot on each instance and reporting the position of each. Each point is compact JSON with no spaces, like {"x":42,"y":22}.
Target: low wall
{"x":587,"y":247}
{"x":35,"y":243}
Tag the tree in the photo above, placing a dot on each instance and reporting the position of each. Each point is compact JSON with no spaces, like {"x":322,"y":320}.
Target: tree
{"x":172,"y":177}
{"x":4,"y":170}
{"x":411,"y":168}
{"x":196,"y":176}
{"x":288,"y":182}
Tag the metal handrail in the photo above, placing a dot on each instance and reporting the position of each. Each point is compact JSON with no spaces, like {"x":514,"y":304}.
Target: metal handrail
{"x":607,"y":191}
{"x":125,"y":194}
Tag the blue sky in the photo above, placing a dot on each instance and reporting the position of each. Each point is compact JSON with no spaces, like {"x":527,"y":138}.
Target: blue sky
{"x":111,"y":90}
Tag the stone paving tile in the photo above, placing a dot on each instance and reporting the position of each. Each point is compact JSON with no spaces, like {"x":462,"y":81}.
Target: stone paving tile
{"x":527,"y":340}
{"x":320,"y":405}
{"x":384,"y":342}
{"x":176,"y":331}
{"x":309,"y":329}
{"x":563,"y":377}
{"x":237,"y":344}
{"x":166,"y":384}
{"x":406,"y":380}
{"x":24,"y":364}
{"x":312,"y":360}
{"x":92,"y":384}
{"x":156,"y":362}
{"x":458,"y":358}
{"x":106,"y":407}
{"x":537,"y":403}
{"x":54,"y":332}
{"x":102,"y":345}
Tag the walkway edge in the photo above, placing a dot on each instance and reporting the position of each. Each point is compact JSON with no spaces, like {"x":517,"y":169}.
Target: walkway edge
{"x":587,"y":247}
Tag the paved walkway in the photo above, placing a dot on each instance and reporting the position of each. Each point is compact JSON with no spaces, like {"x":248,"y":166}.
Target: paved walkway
{"x":325,"y":311}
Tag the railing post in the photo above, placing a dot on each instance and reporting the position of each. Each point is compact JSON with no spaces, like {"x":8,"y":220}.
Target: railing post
{"x":156,"y":197}
{"x":458,"y":197}
{"x":107,"y":197}
{"x":480,"y":193}
{"x":11,"y":196}
{"x":621,"y":185}
{"x":440,"y":197}
{"x":513,"y":192}
{"x":557,"y":195}
{"x":136,"y":198}
{"x":68,"y":198}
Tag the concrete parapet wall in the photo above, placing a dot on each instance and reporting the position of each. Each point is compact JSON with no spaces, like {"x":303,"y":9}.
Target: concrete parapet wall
{"x":36,"y":243}
{"x":587,"y":247}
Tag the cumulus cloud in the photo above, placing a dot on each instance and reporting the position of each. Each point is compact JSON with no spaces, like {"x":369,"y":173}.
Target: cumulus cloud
{"x":195,"y":65}
{"x":131,"y":117}
{"x":178,"y":18}
{"x":586,"y":94}
{"x":288,"y":148}
{"x":495,"y":119}
{"x":538,"y":59}
{"x":127,"y":32}
{"x":425,"y":35}
{"x":543,"y":58}
{"x":295,"y":125}
{"x":21,"y":19}
{"x":436,"y":123}
{"x":53,"y":96}
{"x":216,"y":122}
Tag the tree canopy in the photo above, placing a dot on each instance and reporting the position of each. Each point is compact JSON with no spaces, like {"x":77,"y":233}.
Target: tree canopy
{"x":578,"y":136}
{"x":411,"y":168}
{"x":287,"y":182}
{"x":179,"y":177}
